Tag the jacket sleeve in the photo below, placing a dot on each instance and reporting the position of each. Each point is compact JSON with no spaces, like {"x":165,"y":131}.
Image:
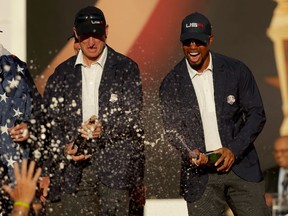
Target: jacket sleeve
{"x":54,"y":122}
{"x":253,"y":115}
{"x":174,"y":114}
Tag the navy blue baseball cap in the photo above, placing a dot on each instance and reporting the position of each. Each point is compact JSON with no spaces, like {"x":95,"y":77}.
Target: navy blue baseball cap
{"x":196,"y":26}
{"x":90,"y":20}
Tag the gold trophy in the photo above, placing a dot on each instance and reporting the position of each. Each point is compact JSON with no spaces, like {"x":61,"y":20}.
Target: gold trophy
{"x":278,"y":32}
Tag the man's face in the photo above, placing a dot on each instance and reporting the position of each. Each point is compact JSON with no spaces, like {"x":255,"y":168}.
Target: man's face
{"x":197,"y":53}
{"x":92,"y":46}
{"x":281,"y":152}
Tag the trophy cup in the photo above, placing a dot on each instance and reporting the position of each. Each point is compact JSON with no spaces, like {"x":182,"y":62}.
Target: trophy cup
{"x":278,"y":32}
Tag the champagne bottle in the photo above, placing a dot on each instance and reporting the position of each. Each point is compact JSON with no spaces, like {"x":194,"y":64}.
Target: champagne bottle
{"x":212,"y":158}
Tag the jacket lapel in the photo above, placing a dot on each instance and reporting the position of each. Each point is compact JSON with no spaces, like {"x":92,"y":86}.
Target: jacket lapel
{"x":188,"y":90}
{"x":220,"y":82}
{"x":75,"y":92}
{"x":106,"y":81}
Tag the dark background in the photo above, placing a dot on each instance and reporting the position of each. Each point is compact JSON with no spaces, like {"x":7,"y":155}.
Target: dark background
{"x":240,"y":29}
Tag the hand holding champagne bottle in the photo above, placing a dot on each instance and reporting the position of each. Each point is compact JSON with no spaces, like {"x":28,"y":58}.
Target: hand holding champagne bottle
{"x":90,"y":129}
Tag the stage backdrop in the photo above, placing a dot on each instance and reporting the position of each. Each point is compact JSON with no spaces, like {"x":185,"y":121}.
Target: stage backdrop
{"x":149,"y":34}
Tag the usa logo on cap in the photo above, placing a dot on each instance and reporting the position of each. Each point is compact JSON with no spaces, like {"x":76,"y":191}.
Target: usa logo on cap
{"x":194,"y":25}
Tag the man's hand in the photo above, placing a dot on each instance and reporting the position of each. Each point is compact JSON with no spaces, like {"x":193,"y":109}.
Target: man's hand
{"x":226,"y":160}
{"x":19,"y":133}
{"x":44,"y":186}
{"x":70,"y":152}
{"x":26,"y":181}
{"x":91,"y":128}
{"x":268,"y":199}
{"x":200,"y":159}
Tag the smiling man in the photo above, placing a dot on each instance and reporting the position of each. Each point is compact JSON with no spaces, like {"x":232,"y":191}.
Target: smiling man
{"x":211,"y":106}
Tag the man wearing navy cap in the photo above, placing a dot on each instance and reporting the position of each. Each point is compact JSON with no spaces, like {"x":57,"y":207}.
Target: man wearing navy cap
{"x":94,"y":105}
{"x":212,"y":113}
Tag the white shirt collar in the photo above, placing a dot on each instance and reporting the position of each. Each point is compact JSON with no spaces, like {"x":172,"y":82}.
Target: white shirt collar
{"x":101,"y":61}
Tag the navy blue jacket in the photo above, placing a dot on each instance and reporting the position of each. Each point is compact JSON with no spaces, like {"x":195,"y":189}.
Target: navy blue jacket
{"x":239,"y":123}
{"x":118,"y":158}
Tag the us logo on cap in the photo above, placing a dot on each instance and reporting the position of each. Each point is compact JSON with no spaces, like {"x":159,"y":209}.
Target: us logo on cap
{"x":93,"y":22}
{"x":194,"y":25}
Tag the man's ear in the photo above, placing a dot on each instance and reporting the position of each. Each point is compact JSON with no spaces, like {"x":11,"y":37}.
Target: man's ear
{"x":75,"y":33}
{"x":211,"y":38}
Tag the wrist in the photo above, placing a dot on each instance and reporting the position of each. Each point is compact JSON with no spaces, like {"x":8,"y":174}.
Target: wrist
{"x":19,"y":211}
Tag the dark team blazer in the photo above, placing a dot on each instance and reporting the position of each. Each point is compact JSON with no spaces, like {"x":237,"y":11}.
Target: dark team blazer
{"x":240,"y":118}
{"x":118,"y":158}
